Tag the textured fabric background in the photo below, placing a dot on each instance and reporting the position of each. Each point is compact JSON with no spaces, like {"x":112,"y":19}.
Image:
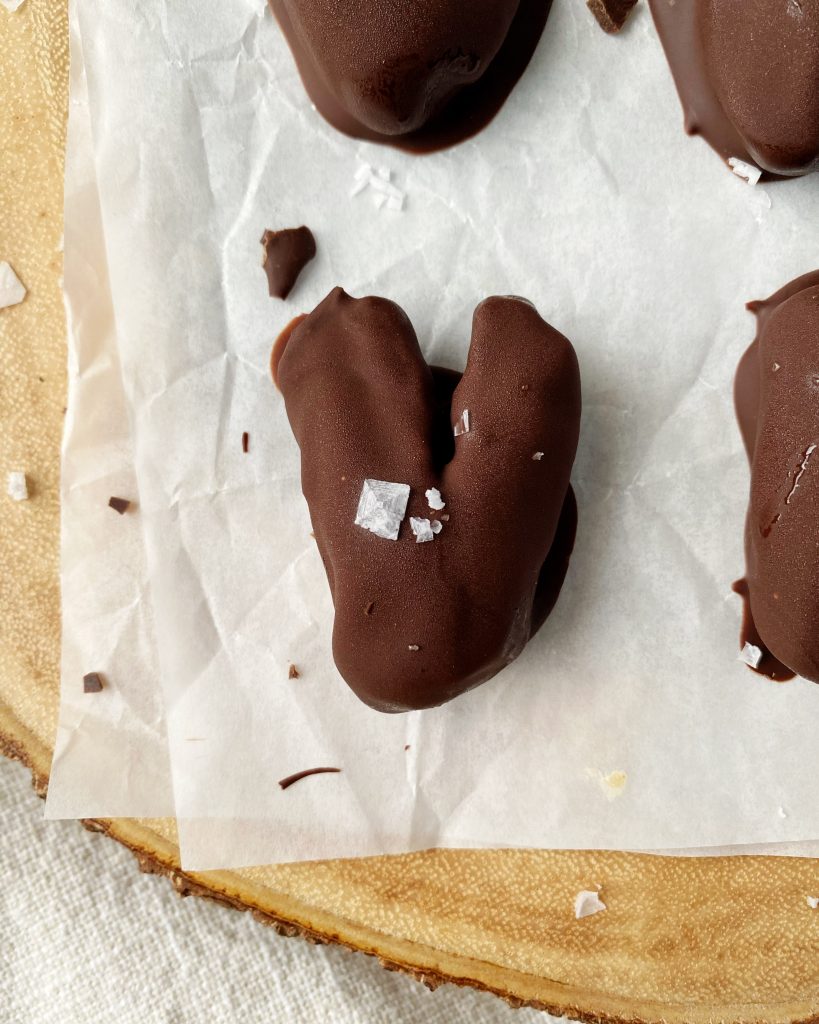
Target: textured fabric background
{"x":86,"y":939}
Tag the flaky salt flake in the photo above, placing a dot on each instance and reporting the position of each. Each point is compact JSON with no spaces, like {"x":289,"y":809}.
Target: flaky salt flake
{"x":462,"y":425}
{"x":742,"y":169}
{"x":12,"y":289}
{"x":812,"y":902}
{"x":587,"y":903}
{"x":413,"y":647}
{"x":537,"y":456}
{"x":434,"y":499}
{"x":12,"y":5}
{"x":423,"y":530}
{"x":382,"y":507}
{"x":437,"y":527}
{"x":751,"y":655}
{"x":16,"y":486}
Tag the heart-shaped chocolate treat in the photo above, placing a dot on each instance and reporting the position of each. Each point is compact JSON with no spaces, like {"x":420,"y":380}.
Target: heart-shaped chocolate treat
{"x":777,"y":399}
{"x":747,"y":72}
{"x":419,"y":73}
{"x":441,"y":505}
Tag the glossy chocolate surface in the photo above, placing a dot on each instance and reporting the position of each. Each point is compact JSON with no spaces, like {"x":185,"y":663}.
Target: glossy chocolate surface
{"x":418,"y":74}
{"x":416,"y":624}
{"x":777,"y":402}
{"x":747,"y":72}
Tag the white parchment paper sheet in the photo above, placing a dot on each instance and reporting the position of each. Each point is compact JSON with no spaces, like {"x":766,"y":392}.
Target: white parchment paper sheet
{"x":111,"y":753}
{"x":585,"y":196}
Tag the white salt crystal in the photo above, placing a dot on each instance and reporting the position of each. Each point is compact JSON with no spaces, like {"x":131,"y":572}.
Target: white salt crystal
{"x":363,"y":172}
{"x":462,"y":426}
{"x":812,"y":902}
{"x":395,"y":202}
{"x":537,"y":456}
{"x":436,"y":526}
{"x":422,"y":528}
{"x":17,"y":487}
{"x":434,"y":499}
{"x":587,"y":903}
{"x":745,"y":170}
{"x":413,"y":647}
{"x":751,"y":655}
{"x":382,"y":507}
{"x":11,"y":288}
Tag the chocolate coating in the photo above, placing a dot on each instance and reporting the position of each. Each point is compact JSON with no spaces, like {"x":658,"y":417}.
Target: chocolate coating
{"x":418,"y":624}
{"x":286,"y":254}
{"x":777,"y":401}
{"x":747,"y":72}
{"x":420,"y":74}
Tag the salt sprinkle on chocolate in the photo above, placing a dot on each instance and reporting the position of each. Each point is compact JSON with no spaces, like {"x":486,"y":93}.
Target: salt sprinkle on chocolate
{"x":748,"y":172}
{"x":462,"y":425}
{"x":92,"y":683}
{"x":120,"y":505}
{"x":382,"y":507}
{"x":434,"y":499}
{"x":537,"y":456}
{"x":16,"y":486}
{"x":12,"y":290}
{"x":587,"y":903}
{"x":293,"y":673}
{"x":751,"y":655}
{"x":413,"y":647}
{"x":423,"y":529}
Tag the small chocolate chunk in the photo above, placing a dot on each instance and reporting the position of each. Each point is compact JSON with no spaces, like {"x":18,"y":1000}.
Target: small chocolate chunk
{"x":293,"y":673}
{"x":298,"y":776}
{"x":286,"y":254}
{"x":611,"y":14}
{"x":92,"y":683}
{"x":120,"y":505}
{"x":245,"y":442}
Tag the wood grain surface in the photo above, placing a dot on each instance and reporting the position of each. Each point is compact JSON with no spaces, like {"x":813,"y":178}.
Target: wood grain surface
{"x":683,"y":939}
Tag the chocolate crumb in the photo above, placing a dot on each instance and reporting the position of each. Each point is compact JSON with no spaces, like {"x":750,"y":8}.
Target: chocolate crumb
{"x":369,"y":609}
{"x":41,"y":380}
{"x":286,"y":253}
{"x":297,"y":776}
{"x":92,"y":683}
{"x":293,"y":673}
{"x":406,"y":746}
{"x":611,"y":15}
{"x":120,"y":505}
{"x":245,"y":442}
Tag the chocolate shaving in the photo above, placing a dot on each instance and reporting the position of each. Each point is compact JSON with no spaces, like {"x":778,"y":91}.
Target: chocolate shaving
{"x":611,"y":15}
{"x":245,"y":442}
{"x":120,"y":505}
{"x":92,"y":683}
{"x":286,"y":253}
{"x":297,"y":776}
{"x":293,"y":673}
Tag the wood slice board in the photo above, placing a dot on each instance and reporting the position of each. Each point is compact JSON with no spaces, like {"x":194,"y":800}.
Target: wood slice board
{"x":684,"y":939}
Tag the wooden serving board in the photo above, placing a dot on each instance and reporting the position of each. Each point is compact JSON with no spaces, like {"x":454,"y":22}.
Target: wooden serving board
{"x":690,"y":940}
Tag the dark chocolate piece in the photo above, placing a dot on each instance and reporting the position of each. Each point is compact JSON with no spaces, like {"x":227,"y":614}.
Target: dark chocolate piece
{"x":245,"y":442}
{"x":747,"y":72}
{"x":611,"y":15}
{"x":92,"y":683}
{"x":286,"y":254}
{"x":418,"y":74}
{"x":293,"y":673}
{"x":364,"y":405}
{"x":298,"y":776}
{"x":120,"y":505}
{"x":777,"y":401}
